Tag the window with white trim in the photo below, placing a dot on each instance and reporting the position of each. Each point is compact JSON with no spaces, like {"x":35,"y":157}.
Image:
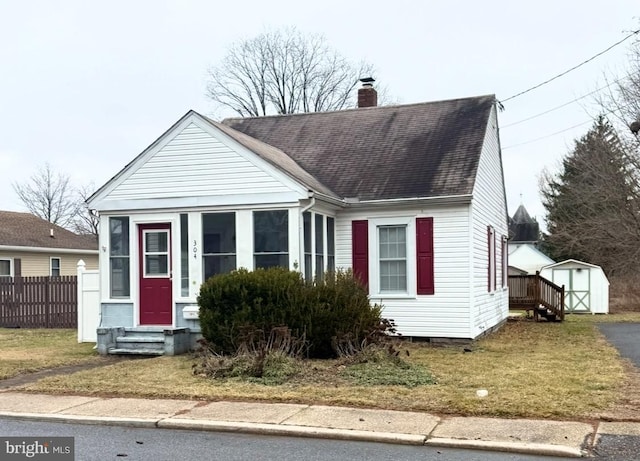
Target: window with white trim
{"x":156,"y":253}
{"x":331,"y":244}
{"x":218,"y":243}
{"x":271,"y":238}
{"x":119,"y":257}
{"x":184,"y":255}
{"x":54,"y":267}
{"x":319,"y":246}
{"x":5,"y":268}
{"x":308,"y":258}
{"x":392,"y":258}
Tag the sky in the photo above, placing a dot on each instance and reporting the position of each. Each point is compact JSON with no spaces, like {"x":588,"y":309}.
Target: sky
{"x":86,"y":86}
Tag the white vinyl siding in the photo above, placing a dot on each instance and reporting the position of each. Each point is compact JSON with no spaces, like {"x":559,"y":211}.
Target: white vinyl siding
{"x":194,"y":163}
{"x":488,"y":209}
{"x":443,"y":314}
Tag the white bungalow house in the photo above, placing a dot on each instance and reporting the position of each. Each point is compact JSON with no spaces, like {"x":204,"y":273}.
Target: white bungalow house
{"x":410,"y":197}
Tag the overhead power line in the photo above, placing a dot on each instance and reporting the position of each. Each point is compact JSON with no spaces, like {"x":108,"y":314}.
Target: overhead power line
{"x":563,"y":130}
{"x":635,"y":32}
{"x":560,"y":106}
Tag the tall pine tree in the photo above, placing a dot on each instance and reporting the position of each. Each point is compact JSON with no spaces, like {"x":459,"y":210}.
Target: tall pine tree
{"x":592,"y":204}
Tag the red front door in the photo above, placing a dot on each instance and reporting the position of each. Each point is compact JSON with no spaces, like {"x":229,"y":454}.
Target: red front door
{"x":155,"y":274}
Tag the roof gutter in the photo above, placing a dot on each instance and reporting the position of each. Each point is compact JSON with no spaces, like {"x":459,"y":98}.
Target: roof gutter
{"x":73,"y":251}
{"x":442,"y":200}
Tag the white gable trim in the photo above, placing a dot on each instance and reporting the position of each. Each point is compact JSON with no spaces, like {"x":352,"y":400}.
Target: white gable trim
{"x":100,"y":200}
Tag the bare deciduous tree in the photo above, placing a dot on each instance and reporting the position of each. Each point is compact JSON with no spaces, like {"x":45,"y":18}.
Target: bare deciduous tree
{"x":50,"y":196}
{"x":622,"y":101}
{"x":86,"y":221}
{"x":284,"y":72}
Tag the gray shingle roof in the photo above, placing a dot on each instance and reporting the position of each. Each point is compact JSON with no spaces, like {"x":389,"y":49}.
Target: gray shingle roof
{"x":27,"y":230}
{"x":419,"y":150}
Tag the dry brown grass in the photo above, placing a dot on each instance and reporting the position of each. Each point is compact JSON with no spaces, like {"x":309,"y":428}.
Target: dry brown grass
{"x":25,"y":351}
{"x":559,"y":370}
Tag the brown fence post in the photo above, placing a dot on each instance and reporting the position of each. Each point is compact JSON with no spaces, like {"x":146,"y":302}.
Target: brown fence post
{"x":47,"y":301}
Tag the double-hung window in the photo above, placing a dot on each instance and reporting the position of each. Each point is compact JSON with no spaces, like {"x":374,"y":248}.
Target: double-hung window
{"x":119,"y":257}
{"x":54,"y":269}
{"x":219,"y":243}
{"x":392,"y":255}
{"x":271,"y":238}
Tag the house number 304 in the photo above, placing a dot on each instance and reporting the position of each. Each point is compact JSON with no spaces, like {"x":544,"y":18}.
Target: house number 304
{"x":195,"y":249}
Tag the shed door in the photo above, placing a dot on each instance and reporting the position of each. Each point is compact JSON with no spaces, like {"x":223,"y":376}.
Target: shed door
{"x":577,"y":285}
{"x":155,"y":274}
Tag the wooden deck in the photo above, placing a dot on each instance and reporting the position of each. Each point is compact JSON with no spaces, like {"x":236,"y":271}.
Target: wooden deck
{"x":535,"y":293}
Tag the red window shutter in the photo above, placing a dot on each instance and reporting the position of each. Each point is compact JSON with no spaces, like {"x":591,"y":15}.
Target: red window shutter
{"x":489,"y":259}
{"x":360,"y":250}
{"x":424,"y":256}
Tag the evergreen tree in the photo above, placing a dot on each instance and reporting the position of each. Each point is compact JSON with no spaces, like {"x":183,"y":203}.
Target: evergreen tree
{"x":592,"y":203}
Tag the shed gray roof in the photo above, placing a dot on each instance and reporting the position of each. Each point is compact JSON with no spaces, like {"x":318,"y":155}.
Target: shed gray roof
{"x":27,"y":230}
{"x":420,"y":150}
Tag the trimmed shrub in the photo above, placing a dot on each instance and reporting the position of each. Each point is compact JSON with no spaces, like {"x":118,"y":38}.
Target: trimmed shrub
{"x":336,"y":307}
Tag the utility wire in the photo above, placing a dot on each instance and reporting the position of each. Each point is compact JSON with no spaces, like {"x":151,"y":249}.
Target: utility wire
{"x":547,"y":136}
{"x":560,"y":106}
{"x":635,"y":32}
{"x":565,"y":129}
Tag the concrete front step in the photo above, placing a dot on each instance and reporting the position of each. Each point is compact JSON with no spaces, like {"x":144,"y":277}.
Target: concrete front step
{"x":140,"y":339}
{"x":135,"y":351}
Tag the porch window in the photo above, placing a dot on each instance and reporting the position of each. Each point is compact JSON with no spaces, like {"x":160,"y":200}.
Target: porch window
{"x":54,"y":269}
{"x":331,"y":245}
{"x":306,"y":224}
{"x":218,"y":243}
{"x":119,"y":257}
{"x":393,"y":258}
{"x":271,"y":238}
{"x":319,"y":221}
{"x":5,"y":268}
{"x":184,"y":255}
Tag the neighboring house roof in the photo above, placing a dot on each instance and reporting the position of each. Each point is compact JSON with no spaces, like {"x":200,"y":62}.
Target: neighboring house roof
{"x":27,"y":230}
{"x":391,"y":152}
{"x":522,"y":227}
{"x":525,"y":256}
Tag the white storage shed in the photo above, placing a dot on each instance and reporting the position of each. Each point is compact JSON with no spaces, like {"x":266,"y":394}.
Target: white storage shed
{"x":586,"y":286}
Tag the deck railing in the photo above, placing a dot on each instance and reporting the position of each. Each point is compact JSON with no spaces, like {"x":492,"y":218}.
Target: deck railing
{"x":537,"y":293}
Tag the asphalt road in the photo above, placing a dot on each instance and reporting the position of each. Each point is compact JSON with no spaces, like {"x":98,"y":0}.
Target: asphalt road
{"x":128,"y":444}
{"x":625,"y":337}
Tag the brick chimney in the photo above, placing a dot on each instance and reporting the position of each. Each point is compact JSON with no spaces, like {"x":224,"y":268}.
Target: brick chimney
{"x":367,"y":94}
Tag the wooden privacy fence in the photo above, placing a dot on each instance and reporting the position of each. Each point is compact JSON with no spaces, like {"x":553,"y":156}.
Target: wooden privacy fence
{"x":39,"y":302}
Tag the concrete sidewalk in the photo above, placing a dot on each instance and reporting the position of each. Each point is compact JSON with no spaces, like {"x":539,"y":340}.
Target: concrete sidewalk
{"x":572,"y":439}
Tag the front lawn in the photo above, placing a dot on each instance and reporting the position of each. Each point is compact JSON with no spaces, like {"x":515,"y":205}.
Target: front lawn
{"x":542,"y":370}
{"x":25,"y":350}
